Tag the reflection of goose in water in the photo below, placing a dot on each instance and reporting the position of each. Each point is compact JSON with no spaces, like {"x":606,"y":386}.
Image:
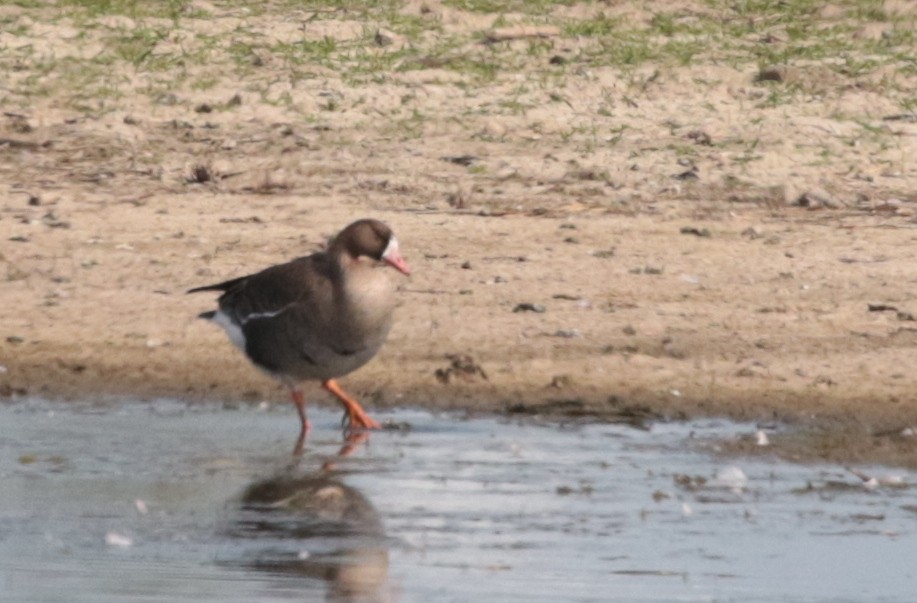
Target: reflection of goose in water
{"x":316,"y":527}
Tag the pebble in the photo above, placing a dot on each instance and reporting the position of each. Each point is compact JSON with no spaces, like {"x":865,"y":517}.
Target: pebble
{"x":118,"y":540}
{"x":753,"y":232}
{"x":528,"y":307}
{"x":566,"y":333}
{"x":817,"y":198}
{"x":698,"y":232}
{"x":385,"y":37}
{"x":731,"y":477}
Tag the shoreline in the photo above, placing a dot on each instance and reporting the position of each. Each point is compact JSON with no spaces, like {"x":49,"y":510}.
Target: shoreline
{"x":814,"y":428}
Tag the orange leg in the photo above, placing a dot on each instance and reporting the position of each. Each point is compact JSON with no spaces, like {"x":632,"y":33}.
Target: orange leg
{"x":300,"y":401}
{"x":355,"y":417}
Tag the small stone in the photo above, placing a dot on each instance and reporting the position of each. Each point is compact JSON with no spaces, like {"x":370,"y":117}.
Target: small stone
{"x":660,"y":495}
{"x":732,"y":478}
{"x":771,"y":74}
{"x":507,"y":173}
{"x":752,"y":232}
{"x":462,"y":160}
{"x":528,"y":307}
{"x":567,"y":333}
{"x":700,"y":137}
{"x":168,"y":99}
{"x":698,"y":232}
{"x":51,"y":220}
{"x":691,"y":174}
{"x":561,"y":381}
{"x":466,"y":265}
{"x":461,"y":366}
{"x":118,"y":540}
{"x":385,"y":37}
{"x":818,"y":198}
{"x":200,"y":174}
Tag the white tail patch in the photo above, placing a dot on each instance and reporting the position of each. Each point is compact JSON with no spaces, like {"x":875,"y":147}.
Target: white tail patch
{"x":232,"y":329}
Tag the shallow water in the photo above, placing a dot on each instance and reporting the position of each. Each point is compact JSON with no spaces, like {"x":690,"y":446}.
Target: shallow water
{"x":167,"y":502}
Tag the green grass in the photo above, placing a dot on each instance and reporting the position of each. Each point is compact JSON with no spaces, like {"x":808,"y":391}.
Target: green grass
{"x":740,"y":33}
{"x":137,"y":46}
{"x":135,"y":9}
{"x":497,"y":7}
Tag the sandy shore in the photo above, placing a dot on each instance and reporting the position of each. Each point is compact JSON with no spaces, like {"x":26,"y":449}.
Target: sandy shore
{"x":674,"y":271}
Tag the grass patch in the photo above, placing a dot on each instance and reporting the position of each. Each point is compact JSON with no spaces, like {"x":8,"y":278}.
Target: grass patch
{"x":735,"y":32}
{"x":135,"y":9}
{"x":526,"y":7}
{"x":137,"y":46}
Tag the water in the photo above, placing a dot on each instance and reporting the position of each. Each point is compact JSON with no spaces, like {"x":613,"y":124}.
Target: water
{"x":150,"y":502}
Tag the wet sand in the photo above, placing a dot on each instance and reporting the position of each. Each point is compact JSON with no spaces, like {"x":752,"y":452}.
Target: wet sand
{"x":721,"y":331}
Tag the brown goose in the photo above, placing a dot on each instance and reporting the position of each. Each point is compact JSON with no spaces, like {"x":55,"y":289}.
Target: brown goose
{"x":317,"y":317}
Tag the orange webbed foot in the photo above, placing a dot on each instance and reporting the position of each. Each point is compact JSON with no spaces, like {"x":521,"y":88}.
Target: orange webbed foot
{"x":354,"y":415}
